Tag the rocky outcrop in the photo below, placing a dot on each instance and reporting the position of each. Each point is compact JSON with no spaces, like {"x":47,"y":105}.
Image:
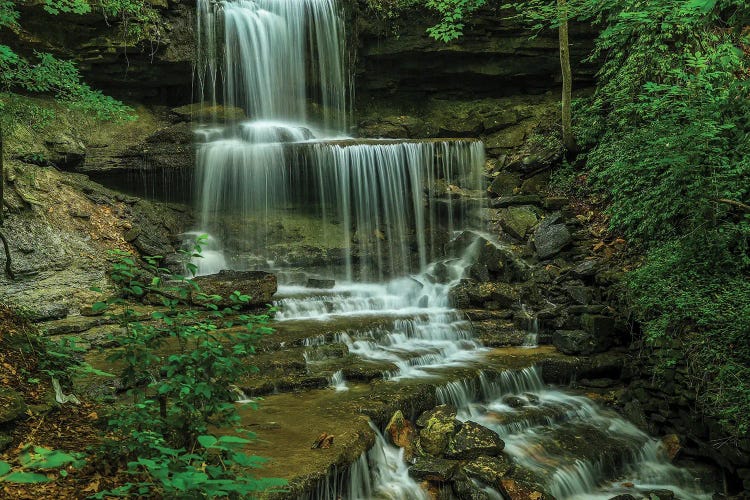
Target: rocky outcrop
{"x":60,"y":229}
{"x":398,"y":59}
{"x":465,"y":457}
{"x":154,"y":69}
{"x":258,"y":286}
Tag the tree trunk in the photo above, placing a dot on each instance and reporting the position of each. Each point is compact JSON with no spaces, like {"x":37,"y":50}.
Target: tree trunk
{"x":569,"y":140}
{"x":6,"y":247}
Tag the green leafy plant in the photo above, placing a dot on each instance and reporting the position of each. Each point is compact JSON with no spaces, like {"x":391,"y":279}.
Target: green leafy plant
{"x":36,"y":462}
{"x":180,"y":364}
{"x":666,"y":145}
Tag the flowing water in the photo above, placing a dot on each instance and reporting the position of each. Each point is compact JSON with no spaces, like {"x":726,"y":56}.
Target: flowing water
{"x":384,"y":211}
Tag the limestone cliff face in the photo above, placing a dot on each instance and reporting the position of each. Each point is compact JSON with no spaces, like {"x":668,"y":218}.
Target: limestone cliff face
{"x":154,"y":71}
{"x":496,"y":57}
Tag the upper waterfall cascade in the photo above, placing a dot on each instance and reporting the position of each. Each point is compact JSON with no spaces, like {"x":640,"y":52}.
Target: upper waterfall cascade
{"x":282,"y":63}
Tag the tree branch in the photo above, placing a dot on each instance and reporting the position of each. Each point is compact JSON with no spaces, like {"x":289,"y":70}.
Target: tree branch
{"x":737,"y":204}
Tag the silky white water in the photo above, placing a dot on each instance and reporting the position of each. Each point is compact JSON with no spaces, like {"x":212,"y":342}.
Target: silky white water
{"x":574,"y":446}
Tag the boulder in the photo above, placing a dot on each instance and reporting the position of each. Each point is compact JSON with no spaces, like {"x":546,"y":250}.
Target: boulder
{"x":583,"y":295}
{"x":12,"y":405}
{"x":672,"y":446}
{"x":489,"y":470}
{"x":469,"y":490}
{"x":550,"y":237}
{"x":474,"y":440}
{"x":518,"y":200}
{"x":402,"y":433}
{"x":517,"y":221}
{"x":259,"y":285}
{"x":427,"y":468}
{"x":505,"y":184}
{"x":585,"y":269}
{"x":575,"y":342}
{"x":523,"y":484}
{"x":598,"y":325}
{"x":437,"y":427}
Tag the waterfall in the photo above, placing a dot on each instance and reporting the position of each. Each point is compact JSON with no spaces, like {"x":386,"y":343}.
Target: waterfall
{"x":280,"y":183}
{"x":282,"y":63}
{"x":379,"y":473}
{"x":277,"y":54}
{"x":541,"y":428}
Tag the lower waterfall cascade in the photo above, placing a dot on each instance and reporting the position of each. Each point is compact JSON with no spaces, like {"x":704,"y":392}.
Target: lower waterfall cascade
{"x":428,"y":338}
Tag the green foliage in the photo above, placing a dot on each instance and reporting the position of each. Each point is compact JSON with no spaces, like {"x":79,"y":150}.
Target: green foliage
{"x":139,"y":20}
{"x":180,"y":363}
{"x":453,"y":12}
{"x":36,"y":462}
{"x":46,"y":74}
{"x":668,"y":147}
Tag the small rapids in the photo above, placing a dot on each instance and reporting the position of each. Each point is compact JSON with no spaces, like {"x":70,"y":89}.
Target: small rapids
{"x":433,"y":336}
{"x":380,"y":473}
{"x":568,"y":439}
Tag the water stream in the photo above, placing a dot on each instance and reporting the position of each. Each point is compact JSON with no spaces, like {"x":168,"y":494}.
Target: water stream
{"x":385,"y":211}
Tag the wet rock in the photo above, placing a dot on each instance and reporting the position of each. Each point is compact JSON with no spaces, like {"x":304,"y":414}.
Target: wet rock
{"x":519,"y":200}
{"x":468,"y":490}
{"x":427,"y":468}
{"x":550,"y":238}
{"x":200,"y":113}
{"x":671,"y":444}
{"x":598,"y":325}
{"x":660,"y":495}
{"x":437,"y":427}
{"x":66,"y":152}
{"x":517,"y":221}
{"x":498,"y":333}
{"x":12,"y":405}
{"x":505,"y":184}
{"x":576,"y":342}
{"x":402,"y":433}
{"x":181,"y":133}
{"x":501,"y":294}
{"x":259,"y":285}
{"x":474,"y":440}
{"x":514,"y":401}
{"x":320,"y":283}
{"x":522,"y":484}
{"x":490,"y":295}
{"x":489,"y":470}
{"x":626,"y":496}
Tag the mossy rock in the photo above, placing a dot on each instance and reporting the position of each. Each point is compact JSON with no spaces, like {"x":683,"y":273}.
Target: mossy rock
{"x":438,"y":426}
{"x":517,"y":221}
{"x":474,"y":440}
{"x":12,"y":405}
{"x":489,"y":470}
